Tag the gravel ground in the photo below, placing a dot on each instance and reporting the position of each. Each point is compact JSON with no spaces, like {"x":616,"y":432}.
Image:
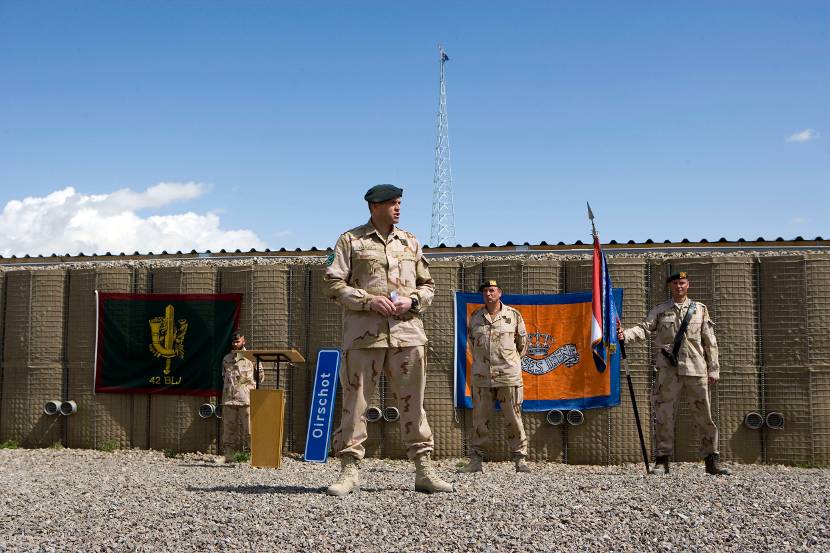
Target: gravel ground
{"x":137,"y":500}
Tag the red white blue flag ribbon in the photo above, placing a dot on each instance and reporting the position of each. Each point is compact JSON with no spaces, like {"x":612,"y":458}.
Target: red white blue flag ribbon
{"x":604,"y":317}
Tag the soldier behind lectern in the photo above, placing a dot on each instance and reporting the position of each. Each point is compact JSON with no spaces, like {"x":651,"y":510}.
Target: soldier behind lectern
{"x":238,"y":377}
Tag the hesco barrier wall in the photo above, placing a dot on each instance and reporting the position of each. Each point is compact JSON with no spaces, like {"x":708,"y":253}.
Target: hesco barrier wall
{"x":771,"y":309}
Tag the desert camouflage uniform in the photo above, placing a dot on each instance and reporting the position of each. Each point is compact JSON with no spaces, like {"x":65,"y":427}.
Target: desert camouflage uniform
{"x":363,"y":266}
{"x":238,"y":377}
{"x":696,"y":360}
{"x":498,"y":343}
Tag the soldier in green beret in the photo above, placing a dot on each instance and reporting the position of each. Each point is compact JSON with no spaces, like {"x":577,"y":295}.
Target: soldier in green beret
{"x":379,"y":275}
{"x":686,"y":355}
{"x":381,"y":193}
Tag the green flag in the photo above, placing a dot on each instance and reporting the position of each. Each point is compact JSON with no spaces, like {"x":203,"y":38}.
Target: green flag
{"x":163,"y":343}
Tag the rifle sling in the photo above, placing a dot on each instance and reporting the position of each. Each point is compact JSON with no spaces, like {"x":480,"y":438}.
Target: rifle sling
{"x":681,"y":333}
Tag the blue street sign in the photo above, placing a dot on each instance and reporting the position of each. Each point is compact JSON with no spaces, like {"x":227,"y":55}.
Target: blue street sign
{"x":322,"y":406}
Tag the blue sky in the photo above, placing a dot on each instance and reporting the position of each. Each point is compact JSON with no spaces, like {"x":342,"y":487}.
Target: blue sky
{"x":268,"y":120}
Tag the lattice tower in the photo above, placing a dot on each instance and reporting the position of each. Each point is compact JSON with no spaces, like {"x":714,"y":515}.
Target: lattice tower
{"x":443,"y":217}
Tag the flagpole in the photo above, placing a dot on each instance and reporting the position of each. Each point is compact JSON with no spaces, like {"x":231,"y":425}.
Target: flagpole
{"x":591,"y":217}
{"x":625,"y":364}
{"x":636,"y":411}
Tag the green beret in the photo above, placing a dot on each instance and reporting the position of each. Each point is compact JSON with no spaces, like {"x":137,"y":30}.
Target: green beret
{"x":382,"y":193}
{"x":237,"y":335}
{"x":487,"y":283}
{"x":677,"y":276}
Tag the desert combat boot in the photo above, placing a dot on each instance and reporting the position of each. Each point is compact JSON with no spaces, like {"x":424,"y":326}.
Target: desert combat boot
{"x":713,"y":466}
{"x":425,"y":478}
{"x":349,"y":480}
{"x":474,"y":465}
{"x":661,"y":460}
{"x":520,"y":464}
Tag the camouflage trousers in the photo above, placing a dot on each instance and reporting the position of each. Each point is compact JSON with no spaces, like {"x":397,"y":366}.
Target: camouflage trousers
{"x":359,"y":375}
{"x":510,"y":398}
{"x":236,"y":428}
{"x":665,"y":401}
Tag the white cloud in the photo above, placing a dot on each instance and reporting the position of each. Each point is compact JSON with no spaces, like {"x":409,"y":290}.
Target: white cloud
{"x":66,"y":221}
{"x":803,"y":136}
{"x":799,"y":221}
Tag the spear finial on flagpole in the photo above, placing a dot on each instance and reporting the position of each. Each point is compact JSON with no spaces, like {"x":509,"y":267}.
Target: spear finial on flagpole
{"x":591,"y":217}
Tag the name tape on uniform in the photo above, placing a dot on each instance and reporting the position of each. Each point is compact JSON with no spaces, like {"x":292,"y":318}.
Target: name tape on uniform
{"x":322,"y":406}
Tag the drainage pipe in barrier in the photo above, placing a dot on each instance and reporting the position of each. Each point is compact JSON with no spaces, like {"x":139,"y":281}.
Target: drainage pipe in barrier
{"x":217,"y":411}
{"x":575,"y":417}
{"x":753,"y":420}
{"x":68,"y":408}
{"x":555,"y":417}
{"x":391,"y":414}
{"x":775,"y":420}
{"x":207,"y":410}
{"x":373,"y":414}
{"x":52,"y":407}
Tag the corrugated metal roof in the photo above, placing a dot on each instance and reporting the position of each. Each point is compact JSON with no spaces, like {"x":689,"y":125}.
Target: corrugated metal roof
{"x":742,"y":243}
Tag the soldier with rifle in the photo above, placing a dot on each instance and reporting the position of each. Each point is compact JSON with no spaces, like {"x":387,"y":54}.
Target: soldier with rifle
{"x":686,"y":358}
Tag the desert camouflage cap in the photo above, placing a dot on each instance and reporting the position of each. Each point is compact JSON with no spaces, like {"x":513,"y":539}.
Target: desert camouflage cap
{"x":382,"y":193}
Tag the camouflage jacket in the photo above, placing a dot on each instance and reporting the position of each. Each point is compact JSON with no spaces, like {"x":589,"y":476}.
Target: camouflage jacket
{"x":698,"y":355}
{"x":498,"y":342}
{"x":364,"y":265}
{"x":238,"y":377}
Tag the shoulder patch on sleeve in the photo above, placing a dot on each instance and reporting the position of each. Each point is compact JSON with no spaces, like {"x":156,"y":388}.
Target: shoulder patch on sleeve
{"x":330,"y":259}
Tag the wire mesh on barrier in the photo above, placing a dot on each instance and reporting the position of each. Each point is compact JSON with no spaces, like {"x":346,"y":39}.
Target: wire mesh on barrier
{"x":772,"y":315}
{"x":174,"y":421}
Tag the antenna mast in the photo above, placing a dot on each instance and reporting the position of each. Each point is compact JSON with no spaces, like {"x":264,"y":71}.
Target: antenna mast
{"x":443,"y":217}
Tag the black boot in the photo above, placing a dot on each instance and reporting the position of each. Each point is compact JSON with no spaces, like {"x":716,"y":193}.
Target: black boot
{"x":662,"y":460}
{"x":713,"y":465}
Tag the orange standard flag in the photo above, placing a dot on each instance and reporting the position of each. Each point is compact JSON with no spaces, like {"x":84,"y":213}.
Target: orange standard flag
{"x":558,"y":370}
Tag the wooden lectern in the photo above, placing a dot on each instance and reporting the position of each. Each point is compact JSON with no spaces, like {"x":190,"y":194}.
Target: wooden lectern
{"x":268,"y":408}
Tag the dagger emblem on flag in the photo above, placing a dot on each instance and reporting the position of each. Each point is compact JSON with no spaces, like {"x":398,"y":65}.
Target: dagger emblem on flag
{"x":167,"y":339}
